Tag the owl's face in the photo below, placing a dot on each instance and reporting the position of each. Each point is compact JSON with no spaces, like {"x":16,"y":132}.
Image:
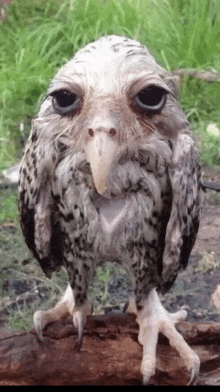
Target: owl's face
{"x":110,"y":97}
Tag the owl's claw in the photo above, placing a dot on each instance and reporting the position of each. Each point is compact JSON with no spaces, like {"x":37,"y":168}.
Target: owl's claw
{"x":39,"y":324}
{"x":194,"y":371}
{"x":79,"y":320}
{"x":64,"y":307}
{"x":41,"y":319}
{"x":153,"y":318}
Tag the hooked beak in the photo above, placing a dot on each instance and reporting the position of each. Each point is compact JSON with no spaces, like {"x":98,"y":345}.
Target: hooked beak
{"x":101,"y":152}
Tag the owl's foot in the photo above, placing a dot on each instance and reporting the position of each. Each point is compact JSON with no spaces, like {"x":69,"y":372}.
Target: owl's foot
{"x":154,"y":318}
{"x":66,"y":306}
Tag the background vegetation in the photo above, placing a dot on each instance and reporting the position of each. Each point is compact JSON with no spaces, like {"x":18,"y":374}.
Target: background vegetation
{"x":38,"y":36}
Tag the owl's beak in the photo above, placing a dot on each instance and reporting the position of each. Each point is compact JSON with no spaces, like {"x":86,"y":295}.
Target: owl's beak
{"x":101,"y":152}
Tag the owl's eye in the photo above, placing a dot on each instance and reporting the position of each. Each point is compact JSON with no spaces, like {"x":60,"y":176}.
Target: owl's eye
{"x":152,"y":99}
{"x":65,"y":102}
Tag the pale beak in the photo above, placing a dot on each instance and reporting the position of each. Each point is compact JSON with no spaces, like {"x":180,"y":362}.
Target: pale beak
{"x":101,"y":152}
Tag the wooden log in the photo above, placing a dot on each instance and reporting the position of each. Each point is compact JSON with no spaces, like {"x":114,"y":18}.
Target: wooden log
{"x":207,"y":76}
{"x":111,"y":354}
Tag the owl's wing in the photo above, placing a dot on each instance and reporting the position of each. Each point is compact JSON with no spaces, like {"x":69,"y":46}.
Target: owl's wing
{"x":185,"y":178}
{"x":40,"y":227}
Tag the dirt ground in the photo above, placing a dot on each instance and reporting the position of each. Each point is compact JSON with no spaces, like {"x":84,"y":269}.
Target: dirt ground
{"x":194,"y":286}
{"x":192,"y":290}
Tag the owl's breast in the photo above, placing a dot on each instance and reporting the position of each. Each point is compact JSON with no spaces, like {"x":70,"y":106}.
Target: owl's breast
{"x":128,"y":210}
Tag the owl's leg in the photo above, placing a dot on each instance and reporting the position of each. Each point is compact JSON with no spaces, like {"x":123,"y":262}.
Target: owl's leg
{"x":66,"y":306}
{"x":154,"y":318}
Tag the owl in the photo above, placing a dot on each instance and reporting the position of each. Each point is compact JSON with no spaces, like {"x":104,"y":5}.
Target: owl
{"x":110,"y":173}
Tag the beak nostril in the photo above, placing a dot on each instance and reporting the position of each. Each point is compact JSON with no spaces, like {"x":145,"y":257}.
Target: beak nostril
{"x":90,"y":132}
{"x":112,"y":132}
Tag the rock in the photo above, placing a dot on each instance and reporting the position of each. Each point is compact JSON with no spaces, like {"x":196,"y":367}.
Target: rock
{"x":111,"y":354}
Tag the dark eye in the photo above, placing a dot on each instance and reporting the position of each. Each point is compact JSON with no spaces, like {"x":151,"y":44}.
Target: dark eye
{"x":65,"y":102}
{"x":152,"y":99}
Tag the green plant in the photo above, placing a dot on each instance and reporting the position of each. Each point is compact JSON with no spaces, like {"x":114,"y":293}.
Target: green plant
{"x":208,"y":262}
{"x":8,"y":206}
{"x":37,"y":38}
{"x":209,"y":145}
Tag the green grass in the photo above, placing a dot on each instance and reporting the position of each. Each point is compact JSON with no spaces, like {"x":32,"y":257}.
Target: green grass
{"x":38,"y":37}
{"x":8,"y":205}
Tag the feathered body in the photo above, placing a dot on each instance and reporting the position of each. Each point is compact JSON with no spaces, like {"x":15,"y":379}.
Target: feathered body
{"x":111,"y":103}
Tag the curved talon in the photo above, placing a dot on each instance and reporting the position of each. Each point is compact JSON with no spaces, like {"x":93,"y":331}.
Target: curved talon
{"x":79,"y":322}
{"x":146,"y":380}
{"x":192,"y":377}
{"x":39,"y":324}
{"x":130,"y":306}
{"x":194,"y":372}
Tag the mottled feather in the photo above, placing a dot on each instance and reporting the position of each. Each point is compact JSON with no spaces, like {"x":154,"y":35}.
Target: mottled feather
{"x":148,"y":215}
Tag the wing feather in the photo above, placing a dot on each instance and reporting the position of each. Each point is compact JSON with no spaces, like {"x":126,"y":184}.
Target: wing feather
{"x":38,"y":218}
{"x":185,"y":178}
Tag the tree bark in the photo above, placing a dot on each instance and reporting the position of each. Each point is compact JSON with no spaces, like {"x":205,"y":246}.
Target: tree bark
{"x":111,"y":354}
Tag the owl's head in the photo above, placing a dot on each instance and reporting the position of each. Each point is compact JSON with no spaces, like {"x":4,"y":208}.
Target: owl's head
{"x":110,"y":97}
